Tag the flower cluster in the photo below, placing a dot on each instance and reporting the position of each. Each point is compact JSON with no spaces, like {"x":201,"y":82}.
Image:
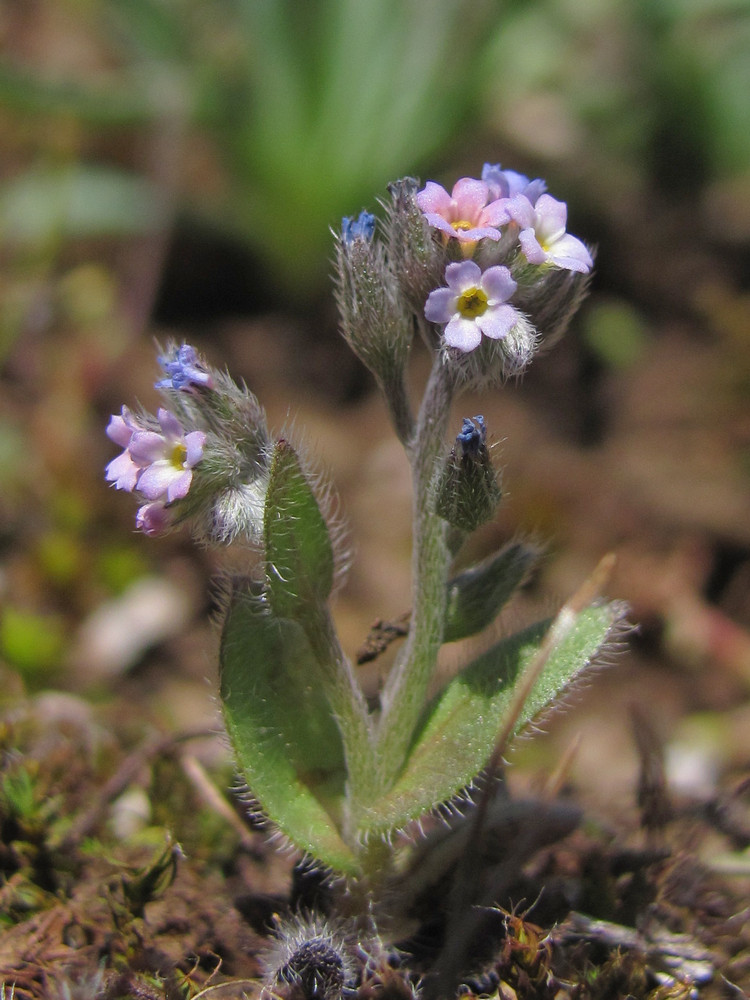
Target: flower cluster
{"x":158,"y":463}
{"x":202,"y":457}
{"x":512,"y":237}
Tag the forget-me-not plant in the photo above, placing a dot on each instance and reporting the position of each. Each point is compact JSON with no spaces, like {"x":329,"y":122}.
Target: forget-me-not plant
{"x":484,"y":275}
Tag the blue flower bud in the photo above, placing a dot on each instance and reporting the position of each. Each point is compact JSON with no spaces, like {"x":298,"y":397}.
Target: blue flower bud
{"x":473,"y":436}
{"x":467,"y":492}
{"x":362,"y":228}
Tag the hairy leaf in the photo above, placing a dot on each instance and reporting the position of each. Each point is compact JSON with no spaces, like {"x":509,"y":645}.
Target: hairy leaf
{"x":282,"y":729}
{"x":476,"y":596}
{"x":460,"y":726}
{"x":299,"y":556}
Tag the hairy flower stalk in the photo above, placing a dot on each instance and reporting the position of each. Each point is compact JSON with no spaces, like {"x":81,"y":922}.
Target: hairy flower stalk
{"x":404,"y":694}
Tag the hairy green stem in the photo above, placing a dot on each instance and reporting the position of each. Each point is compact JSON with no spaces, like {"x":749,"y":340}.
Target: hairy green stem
{"x":405,"y":690}
{"x":349,"y":708}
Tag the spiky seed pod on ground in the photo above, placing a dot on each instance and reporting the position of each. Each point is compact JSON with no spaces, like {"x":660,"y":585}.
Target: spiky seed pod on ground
{"x":311,"y":959}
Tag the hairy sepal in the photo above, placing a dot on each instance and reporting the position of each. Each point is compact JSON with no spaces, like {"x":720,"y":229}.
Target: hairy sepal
{"x":477,"y":595}
{"x":287,"y":743}
{"x":459,"y":728}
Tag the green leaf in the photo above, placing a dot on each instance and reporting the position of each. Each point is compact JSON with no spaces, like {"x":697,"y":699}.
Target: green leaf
{"x":282,"y":728}
{"x":476,"y":596}
{"x":460,"y":726}
{"x":299,"y":556}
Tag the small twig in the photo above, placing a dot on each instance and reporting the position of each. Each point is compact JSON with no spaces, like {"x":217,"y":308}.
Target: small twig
{"x":213,"y":798}
{"x":556,"y":780}
{"x":381,"y":635}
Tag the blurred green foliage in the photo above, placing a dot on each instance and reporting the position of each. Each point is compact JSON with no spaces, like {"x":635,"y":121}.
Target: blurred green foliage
{"x":637,"y":90}
{"x":312,"y":107}
{"x":309,"y":108}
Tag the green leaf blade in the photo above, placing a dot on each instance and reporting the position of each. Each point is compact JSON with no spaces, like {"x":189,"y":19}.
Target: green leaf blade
{"x":299,"y":554}
{"x":282,"y":729}
{"x":476,"y":596}
{"x":461,"y":724}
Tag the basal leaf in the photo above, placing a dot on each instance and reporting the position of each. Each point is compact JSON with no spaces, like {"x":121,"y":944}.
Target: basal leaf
{"x":461,"y":724}
{"x":282,"y":728}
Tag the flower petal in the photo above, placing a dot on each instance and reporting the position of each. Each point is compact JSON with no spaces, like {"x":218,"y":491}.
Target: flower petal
{"x":434,"y":198}
{"x":155,"y":480}
{"x":122,"y":472}
{"x":463,"y":334}
{"x":498,"y":284}
{"x":120,"y":428}
{"x":531,"y":248}
{"x":522,"y":211}
{"x":194,"y":442}
{"x":170,"y":425}
{"x":497,"y":323}
{"x":551,"y":218}
{"x":147,"y":447}
{"x":496,"y":213}
{"x":474,"y":235}
{"x":570,"y":253}
{"x":179,"y":487}
{"x":438,"y":222}
{"x":462,"y":275}
{"x":469,"y":197}
{"x":440,"y":305}
{"x":152,"y":519}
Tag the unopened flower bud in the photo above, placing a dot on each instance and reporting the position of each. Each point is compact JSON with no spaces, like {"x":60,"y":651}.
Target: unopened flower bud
{"x":468,"y":492}
{"x":374,"y":321}
{"x":184,"y":370}
{"x":361,"y":228}
{"x":418,"y":259}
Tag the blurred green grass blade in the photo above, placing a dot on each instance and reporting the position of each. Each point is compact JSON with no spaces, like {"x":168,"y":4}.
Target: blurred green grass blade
{"x":120,"y":105}
{"x":78,"y":201}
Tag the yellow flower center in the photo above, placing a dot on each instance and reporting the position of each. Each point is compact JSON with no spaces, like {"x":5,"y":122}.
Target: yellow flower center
{"x":461,"y":225}
{"x":472,"y":303}
{"x":178,"y":456}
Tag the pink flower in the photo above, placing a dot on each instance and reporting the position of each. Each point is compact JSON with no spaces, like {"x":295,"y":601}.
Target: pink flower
{"x":509,"y":183}
{"x":543,"y":238}
{"x":122,"y":471}
{"x":166,"y":459}
{"x":464,"y":214}
{"x":152,"y":518}
{"x":473,"y":304}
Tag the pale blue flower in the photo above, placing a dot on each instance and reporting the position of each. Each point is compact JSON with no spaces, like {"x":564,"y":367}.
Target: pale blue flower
{"x":184,"y":370}
{"x":509,"y":183}
{"x":473,"y":304}
{"x":543,"y":237}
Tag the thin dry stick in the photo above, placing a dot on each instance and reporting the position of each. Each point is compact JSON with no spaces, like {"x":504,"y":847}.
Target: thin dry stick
{"x":556,"y":780}
{"x":213,"y":798}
